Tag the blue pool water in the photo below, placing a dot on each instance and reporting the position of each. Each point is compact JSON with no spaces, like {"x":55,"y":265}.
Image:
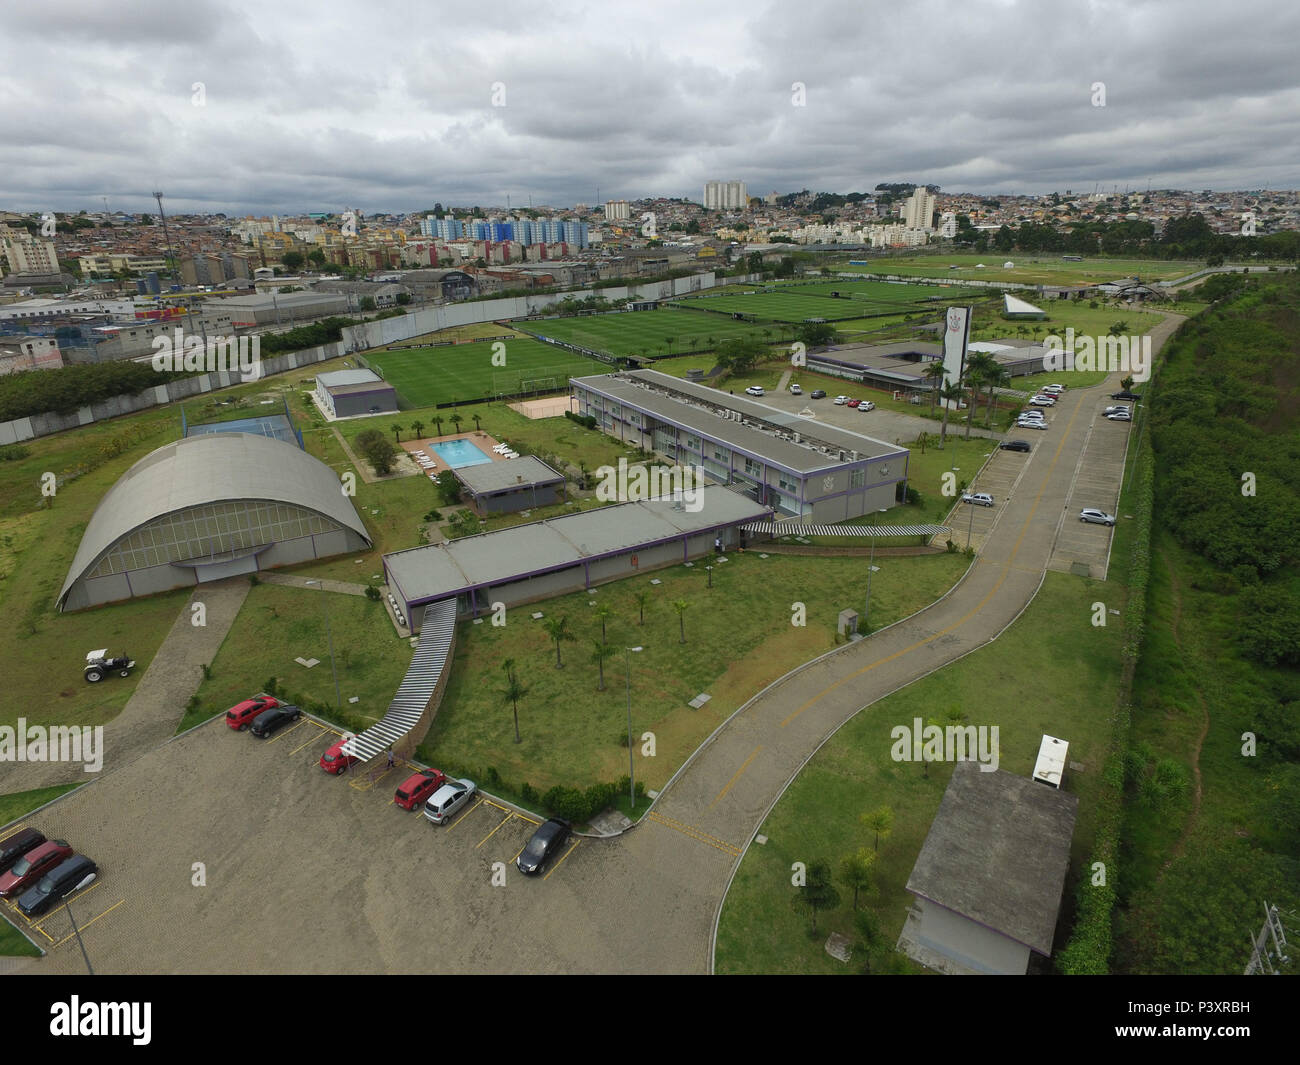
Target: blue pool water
{"x":458,"y":453}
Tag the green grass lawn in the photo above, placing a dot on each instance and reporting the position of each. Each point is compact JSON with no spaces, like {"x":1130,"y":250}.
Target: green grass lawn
{"x":882,"y":292}
{"x":817,"y":818}
{"x":426,"y":377}
{"x":278,"y":624}
{"x":739,"y":638}
{"x":646,"y":333}
{"x":1040,"y":269}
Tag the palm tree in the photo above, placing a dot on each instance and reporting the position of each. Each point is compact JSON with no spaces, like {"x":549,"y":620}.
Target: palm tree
{"x":397,"y":432}
{"x":599,"y":653}
{"x":680,"y":606}
{"x":477,"y":428}
{"x":508,"y":667}
{"x":669,"y":341}
{"x":456,"y":419}
{"x":951,"y":393}
{"x":512,"y":693}
{"x":934,"y":374}
{"x":558,"y":630}
{"x":602,"y":612}
{"x":880,"y":821}
{"x":997,"y":378}
{"x":437,"y":420}
{"x":642,"y":597}
{"x":417,"y":427}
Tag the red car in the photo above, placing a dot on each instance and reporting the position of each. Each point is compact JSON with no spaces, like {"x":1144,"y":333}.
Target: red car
{"x":242,"y":714}
{"x":32,"y":866}
{"x":335,"y":761}
{"x":853,"y":402}
{"x":415,"y":789}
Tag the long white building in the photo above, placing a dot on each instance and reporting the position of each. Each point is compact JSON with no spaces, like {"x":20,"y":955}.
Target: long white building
{"x":725,"y":195}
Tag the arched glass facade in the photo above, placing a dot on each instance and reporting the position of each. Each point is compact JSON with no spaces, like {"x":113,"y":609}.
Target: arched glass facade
{"x":206,"y":531}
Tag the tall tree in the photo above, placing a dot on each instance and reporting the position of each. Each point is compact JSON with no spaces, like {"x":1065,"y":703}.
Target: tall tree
{"x":558,"y":630}
{"x":681,"y":605}
{"x":879,"y":821}
{"x":934,"y":374}
{"x":456,"y":419}
{"x":855,"y":871}
{"x":602,"y":613}
{"x":512,"y":693}
{"x":642,"y":596}
{"x":950,"y":394}
{"x":417,"y":427}
{"x":600,"y":654}
{"x":818,"y":893}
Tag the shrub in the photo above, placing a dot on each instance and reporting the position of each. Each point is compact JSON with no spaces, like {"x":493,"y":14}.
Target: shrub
{"x":372,"y":592}
{"x":528,"y":794}
{"x":270,"y":686}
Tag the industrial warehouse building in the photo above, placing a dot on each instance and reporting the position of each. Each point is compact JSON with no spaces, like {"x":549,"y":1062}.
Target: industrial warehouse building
{"x":348,"y":393}
{"x":795,"y":465}
{"x":506,"y":487}
{"x":549,"y":558}
{"x":208,"y":507}
{"x":987,"y":884}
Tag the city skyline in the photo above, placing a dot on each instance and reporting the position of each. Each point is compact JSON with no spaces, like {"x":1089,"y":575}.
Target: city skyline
{"x":254,"y":110}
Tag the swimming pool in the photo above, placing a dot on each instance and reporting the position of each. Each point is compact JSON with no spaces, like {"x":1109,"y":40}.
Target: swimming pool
{"x":458,"y":453}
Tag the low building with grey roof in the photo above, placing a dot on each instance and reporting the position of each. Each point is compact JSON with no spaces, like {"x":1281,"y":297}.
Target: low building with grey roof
{"x":575,"y":551}
{"x":524,"y":483}
{"x":349,"y":393}
{"x":798,"y":466}
{"x":987,"y":884}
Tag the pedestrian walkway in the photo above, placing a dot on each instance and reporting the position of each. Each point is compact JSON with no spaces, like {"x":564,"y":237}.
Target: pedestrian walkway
{"x":316,"y":583}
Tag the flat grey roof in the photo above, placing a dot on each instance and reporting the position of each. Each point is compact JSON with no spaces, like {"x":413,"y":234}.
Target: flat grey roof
{"x":441,"y":570}
{"x":279,"y":299}
{"x":635,"y":390}
{"x":347,"y":377}
{"x":523,"y":472}
{"x":997,"y":853}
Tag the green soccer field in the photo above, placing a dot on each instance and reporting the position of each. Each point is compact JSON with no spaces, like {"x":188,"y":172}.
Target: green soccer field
{"x":883,"y":292}
{"x":645,"y":332}
{"x":426,"y":377}
{"x":1045,"y":268}
{"x":791,"y":307}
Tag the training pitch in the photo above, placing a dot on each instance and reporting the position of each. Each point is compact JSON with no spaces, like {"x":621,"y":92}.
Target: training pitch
{"x":459,"y":373}
{"x":645,"y":333}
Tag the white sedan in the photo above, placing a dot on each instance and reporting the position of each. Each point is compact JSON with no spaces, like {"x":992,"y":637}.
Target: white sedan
{"x":841,"y":400}
{"x":866,"y":404}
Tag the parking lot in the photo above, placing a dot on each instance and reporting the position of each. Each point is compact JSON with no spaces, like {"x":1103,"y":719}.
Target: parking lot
{"x":242,"y":855}
{"x":887,"y":425}
{"x":1096,"y":484}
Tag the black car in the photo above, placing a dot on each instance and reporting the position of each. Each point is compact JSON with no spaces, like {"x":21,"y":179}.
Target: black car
{"x":269,"y":721}
{"x":14,"y":847}
{"x":63,"y":880}
{"x":818,"y":393}
{"x":548,"y":839}
{"x":1014,"y":445}
{"x":1125,"y":395}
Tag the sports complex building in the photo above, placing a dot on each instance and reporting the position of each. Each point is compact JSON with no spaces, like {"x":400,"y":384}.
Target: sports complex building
{"x":901,"y":367}
{"x":207,"y":507}
{"x":793,"y":464}
{"x":565,"y":554}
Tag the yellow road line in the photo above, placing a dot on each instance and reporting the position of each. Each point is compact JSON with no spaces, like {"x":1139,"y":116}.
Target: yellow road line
{"x":307,"y":743}
{"x":695,"y":834}
{"x":17,"y":829}
{"x":301,"y":721}
{"x":494,"y":831}
{"x":1006,"y":568}
{"x":561,"y":861}
{"x":745,"y":765}
{"x":86,"y":924}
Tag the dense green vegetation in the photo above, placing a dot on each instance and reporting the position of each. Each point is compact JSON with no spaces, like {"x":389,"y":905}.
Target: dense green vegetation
{"x":1212,"y":772}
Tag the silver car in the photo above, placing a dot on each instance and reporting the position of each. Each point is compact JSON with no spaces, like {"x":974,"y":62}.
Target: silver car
{"x":1096,"y":517}
{"x":448,"y":799}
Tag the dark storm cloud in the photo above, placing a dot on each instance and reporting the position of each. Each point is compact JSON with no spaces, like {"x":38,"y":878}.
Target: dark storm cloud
{"x":390,"y":105}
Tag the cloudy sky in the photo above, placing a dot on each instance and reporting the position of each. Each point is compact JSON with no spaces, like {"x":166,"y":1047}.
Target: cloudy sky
{"x":282,"y":105}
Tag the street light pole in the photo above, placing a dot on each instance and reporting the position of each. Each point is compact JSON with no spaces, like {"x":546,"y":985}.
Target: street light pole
{"x":631,"y":768}
{"x":970,"y":525}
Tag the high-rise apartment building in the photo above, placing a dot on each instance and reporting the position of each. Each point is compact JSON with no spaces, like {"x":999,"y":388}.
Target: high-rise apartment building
{"x":28,"y":254}
{"x":617,"y":211}
{"x":918,"y":211}
{"x":726,"y":195}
